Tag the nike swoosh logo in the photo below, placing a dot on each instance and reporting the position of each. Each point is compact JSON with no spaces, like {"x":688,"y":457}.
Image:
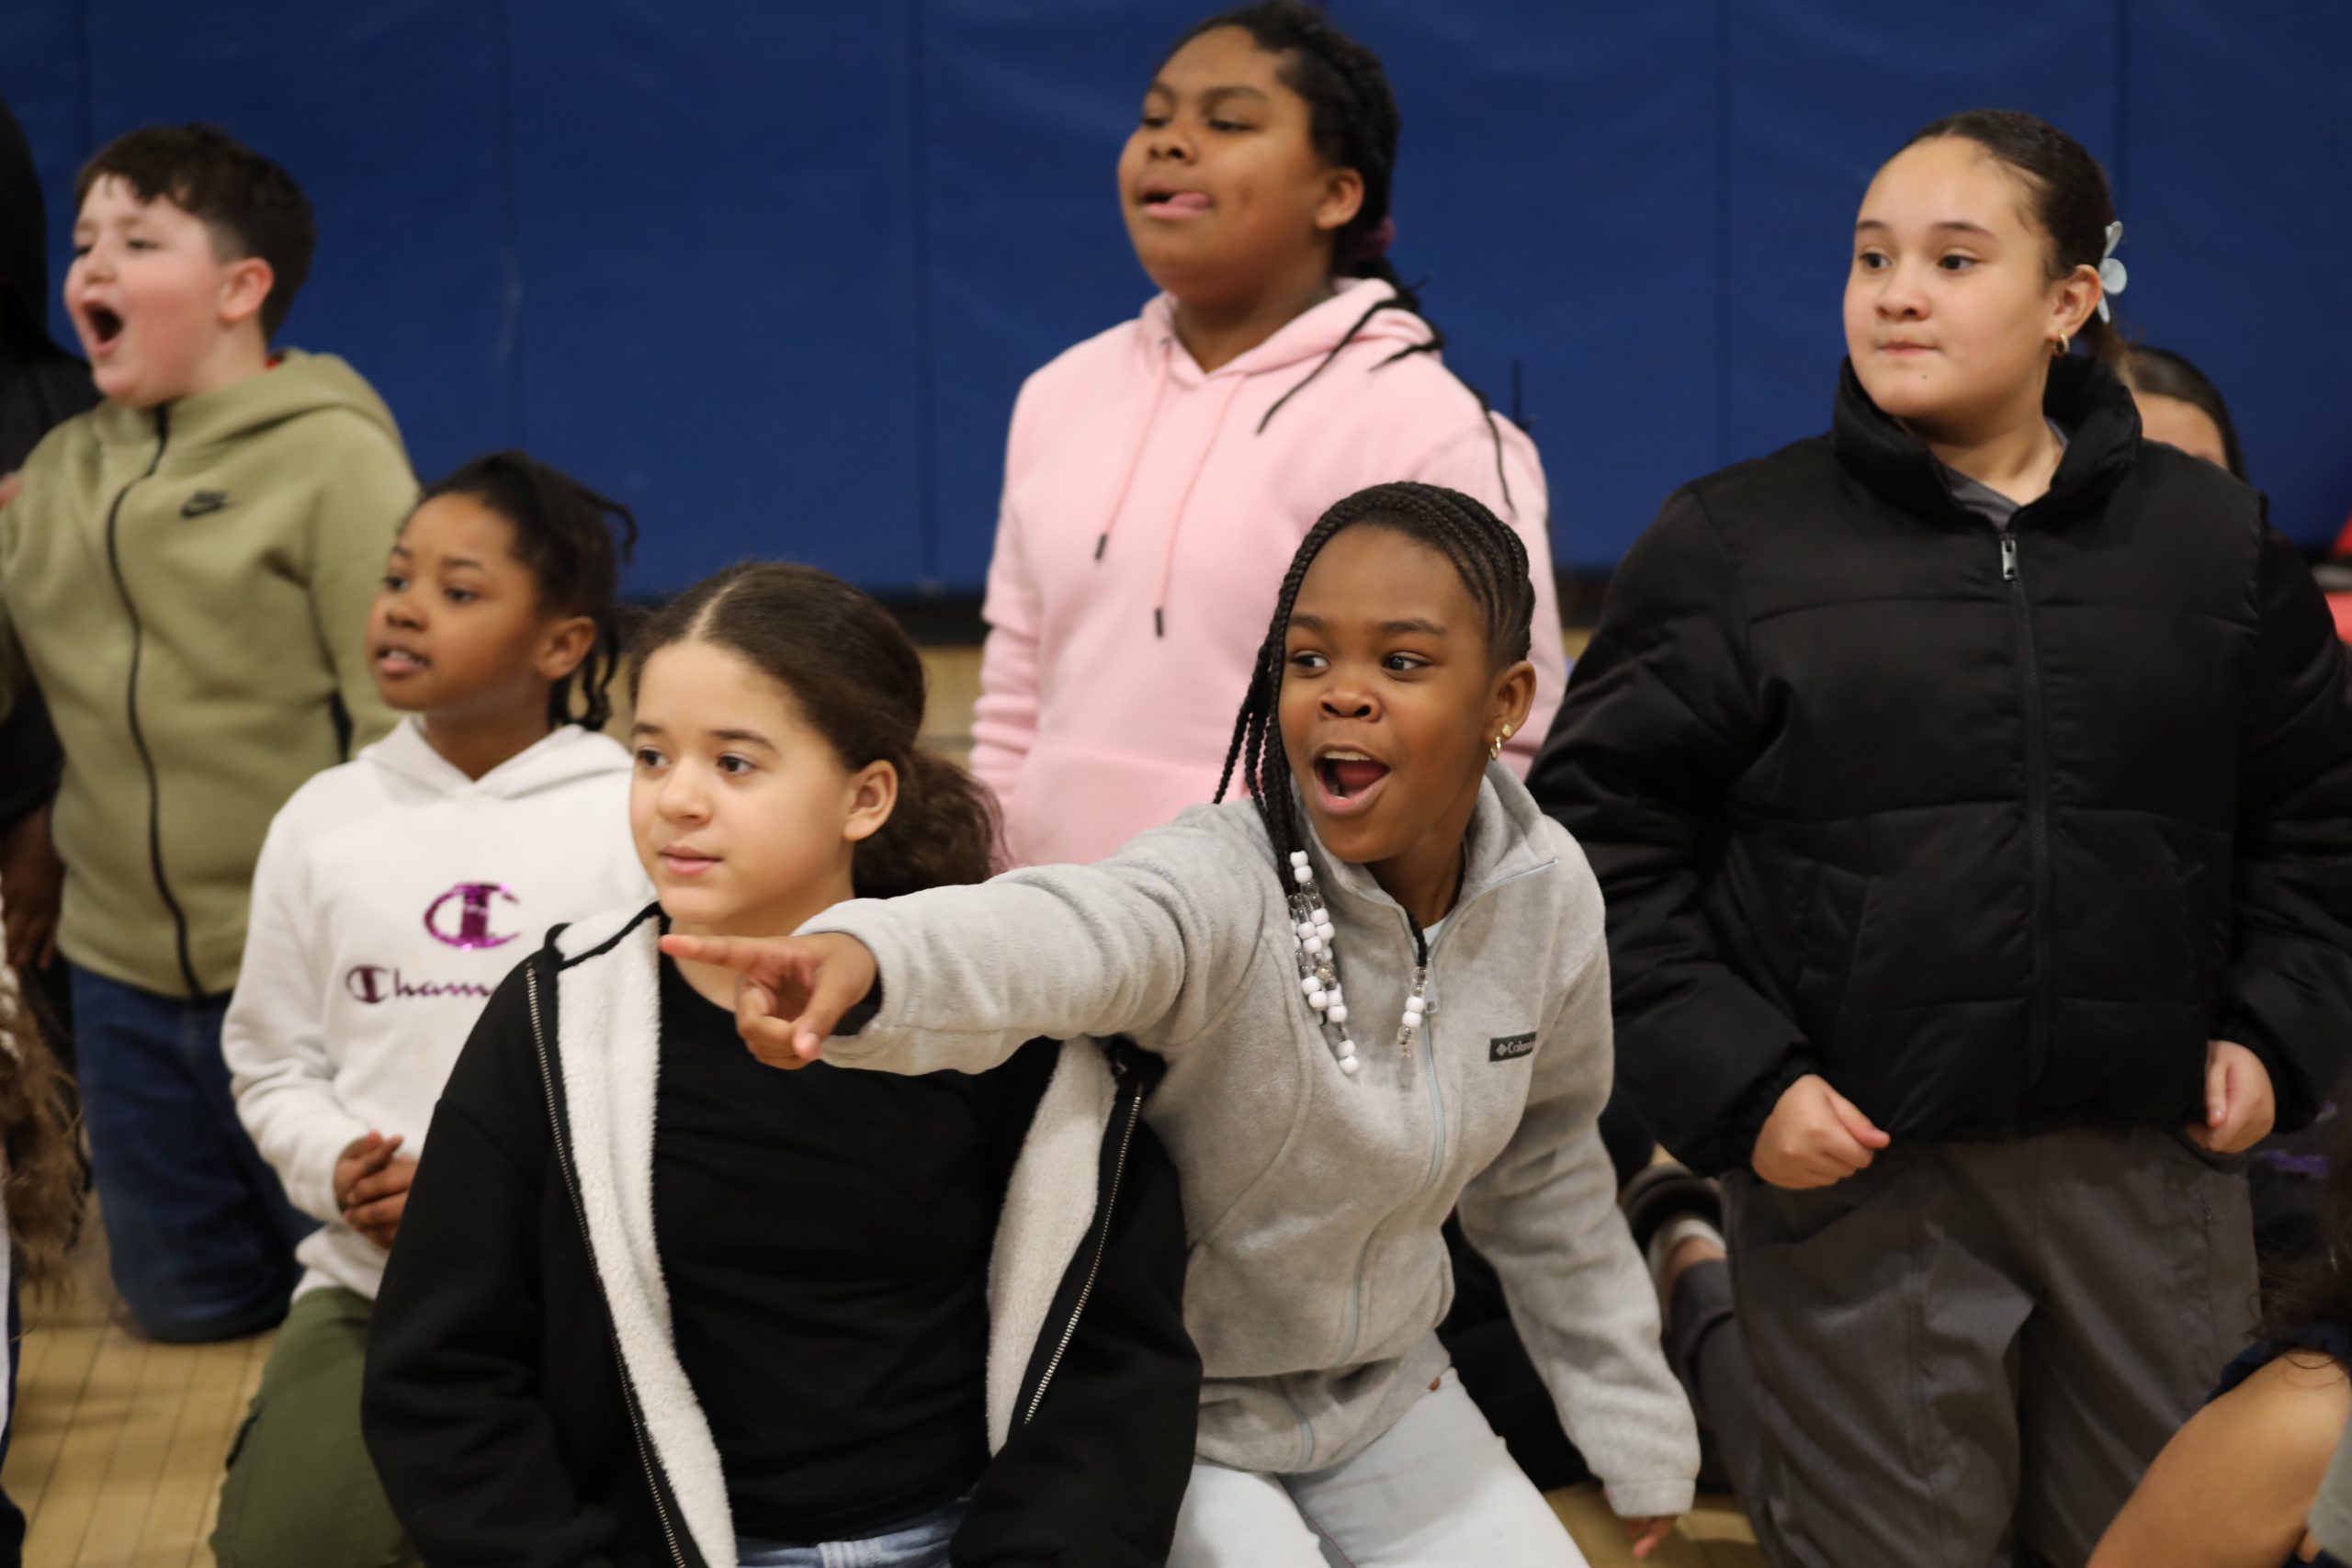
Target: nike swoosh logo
{"x":204,"y":502}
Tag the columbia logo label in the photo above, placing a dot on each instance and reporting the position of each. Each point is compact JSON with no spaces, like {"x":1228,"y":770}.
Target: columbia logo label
{"x":1511,"y":1047}
{"x":204,"y":502}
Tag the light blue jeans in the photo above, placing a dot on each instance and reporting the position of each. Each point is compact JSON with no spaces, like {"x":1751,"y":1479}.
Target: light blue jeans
{"x":1437,"y":1490}
{"x":918,"y":1543}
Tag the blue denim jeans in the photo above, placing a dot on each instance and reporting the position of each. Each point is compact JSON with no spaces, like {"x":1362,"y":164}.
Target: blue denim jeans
{"x":201,"y":1233}
{"x":918,"y":1543}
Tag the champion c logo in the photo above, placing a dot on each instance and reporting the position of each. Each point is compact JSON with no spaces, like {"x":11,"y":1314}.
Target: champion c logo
{"x":474,"y":930}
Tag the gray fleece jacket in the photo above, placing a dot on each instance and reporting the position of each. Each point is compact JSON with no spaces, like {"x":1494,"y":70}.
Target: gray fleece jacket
{"x":1313,"y":1200}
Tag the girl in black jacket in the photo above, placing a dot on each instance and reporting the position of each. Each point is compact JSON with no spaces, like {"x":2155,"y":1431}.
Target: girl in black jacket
{"x":1972,"y":788}
{"x":654,"y":1304}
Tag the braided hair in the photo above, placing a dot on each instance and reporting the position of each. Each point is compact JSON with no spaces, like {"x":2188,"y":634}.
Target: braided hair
{"x":564,"y":537}
{"x":1492,"y":562}
{"x":1353,"y":123}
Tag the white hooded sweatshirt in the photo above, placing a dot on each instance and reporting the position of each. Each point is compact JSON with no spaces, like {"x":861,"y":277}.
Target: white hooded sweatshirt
{"x":392,"y":895}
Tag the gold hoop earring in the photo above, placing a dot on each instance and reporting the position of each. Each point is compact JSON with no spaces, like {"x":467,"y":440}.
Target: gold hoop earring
{"x":2064,"y":344}
{"x":1495,"y":751}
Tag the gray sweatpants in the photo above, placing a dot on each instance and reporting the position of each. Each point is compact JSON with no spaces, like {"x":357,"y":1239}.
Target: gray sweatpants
{"x":1967,"y":1354}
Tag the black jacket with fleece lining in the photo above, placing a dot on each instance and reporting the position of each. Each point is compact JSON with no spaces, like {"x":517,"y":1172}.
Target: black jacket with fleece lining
{"x":524,"y":1409}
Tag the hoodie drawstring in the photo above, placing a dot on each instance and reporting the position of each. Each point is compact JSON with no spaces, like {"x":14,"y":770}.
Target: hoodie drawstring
{"x":1183,"y":503}
{"x":1134,"y":451}
{"x":1397,"y":299}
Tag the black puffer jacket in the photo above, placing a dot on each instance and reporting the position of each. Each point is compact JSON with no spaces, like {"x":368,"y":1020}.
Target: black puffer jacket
{"x":1993,"y":829}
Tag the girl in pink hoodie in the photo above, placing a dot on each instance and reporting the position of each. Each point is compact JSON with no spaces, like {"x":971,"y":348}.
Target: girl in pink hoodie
{"x":1159,"y":476}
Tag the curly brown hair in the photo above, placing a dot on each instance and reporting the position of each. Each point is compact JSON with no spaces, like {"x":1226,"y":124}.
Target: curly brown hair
{"x":41,"y":1144}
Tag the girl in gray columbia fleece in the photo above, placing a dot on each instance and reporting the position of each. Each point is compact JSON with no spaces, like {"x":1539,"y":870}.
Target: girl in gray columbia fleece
{"x":1320,"y":1148}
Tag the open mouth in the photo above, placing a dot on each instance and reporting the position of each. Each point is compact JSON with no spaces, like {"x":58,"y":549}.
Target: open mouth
{"x":399,"y":661}
{"x":106,"y":326}
{"x":1349,"y":778}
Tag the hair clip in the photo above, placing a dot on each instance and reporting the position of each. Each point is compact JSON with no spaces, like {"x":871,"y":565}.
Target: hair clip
{"x":2112,"y":274}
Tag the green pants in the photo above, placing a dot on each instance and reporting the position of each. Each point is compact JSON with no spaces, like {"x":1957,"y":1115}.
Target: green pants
{"x":302,"y":1491}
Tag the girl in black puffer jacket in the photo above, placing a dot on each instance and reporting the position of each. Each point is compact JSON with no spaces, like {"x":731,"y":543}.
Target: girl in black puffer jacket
{"x":1972,"y":789}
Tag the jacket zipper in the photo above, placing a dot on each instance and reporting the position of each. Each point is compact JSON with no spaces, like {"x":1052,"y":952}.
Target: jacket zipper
{"x":2037,"y":807}
{"x":1422,"y":952}
{"x":1437,"y":1124}
{"x":1428,"y":1032}
{"x":1095,"y":1268}
{"x":131,"y":705}
{"x":579,"y":1214}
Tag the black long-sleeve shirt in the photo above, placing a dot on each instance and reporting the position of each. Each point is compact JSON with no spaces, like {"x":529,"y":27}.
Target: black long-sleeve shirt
{"x":824,"y":1234}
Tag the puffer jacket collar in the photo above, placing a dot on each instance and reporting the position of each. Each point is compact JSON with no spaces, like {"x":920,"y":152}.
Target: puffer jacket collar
{"x":2086,"y":400}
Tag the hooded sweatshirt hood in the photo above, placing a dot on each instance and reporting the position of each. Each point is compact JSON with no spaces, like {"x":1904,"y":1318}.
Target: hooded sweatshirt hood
{"x":1151,"y":511}
{"x":1363,"y":311}
{"x":296,"y":385}
{"x":391,"y":897}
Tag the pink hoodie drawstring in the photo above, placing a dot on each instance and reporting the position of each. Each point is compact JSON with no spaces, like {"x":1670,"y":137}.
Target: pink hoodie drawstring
{"x":1184,"y":501}
{"x":1134,"y":450}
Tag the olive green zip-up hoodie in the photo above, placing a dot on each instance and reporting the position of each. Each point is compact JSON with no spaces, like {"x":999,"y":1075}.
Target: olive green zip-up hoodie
{"x":189,"y":585}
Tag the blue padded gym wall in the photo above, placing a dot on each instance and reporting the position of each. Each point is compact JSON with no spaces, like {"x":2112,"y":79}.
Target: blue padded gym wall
{"x":772,"y":272}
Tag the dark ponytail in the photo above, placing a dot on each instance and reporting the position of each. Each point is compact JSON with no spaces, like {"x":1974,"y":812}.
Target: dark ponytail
{"x":942,"y":833}
{"x":856,"y":679}
{"x":564,"y":535}
{"x":2069,"y":200}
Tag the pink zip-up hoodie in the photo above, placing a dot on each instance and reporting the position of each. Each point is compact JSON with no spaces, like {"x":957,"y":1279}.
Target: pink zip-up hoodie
{"x":1149,"y":512}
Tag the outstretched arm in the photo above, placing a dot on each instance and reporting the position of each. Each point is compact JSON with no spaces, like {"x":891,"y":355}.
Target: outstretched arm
{"x":1152,"y":944}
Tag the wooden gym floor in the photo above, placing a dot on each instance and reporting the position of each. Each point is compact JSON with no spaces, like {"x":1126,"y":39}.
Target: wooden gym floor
{"x":119,"y":1443}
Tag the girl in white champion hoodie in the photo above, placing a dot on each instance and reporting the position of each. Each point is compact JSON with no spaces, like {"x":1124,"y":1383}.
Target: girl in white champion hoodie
{"x":392,"y":895}
{"x":1159,"y":476}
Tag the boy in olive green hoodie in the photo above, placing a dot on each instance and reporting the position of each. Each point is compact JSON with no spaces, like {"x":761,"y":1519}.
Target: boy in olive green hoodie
{"x":186,"y":572}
